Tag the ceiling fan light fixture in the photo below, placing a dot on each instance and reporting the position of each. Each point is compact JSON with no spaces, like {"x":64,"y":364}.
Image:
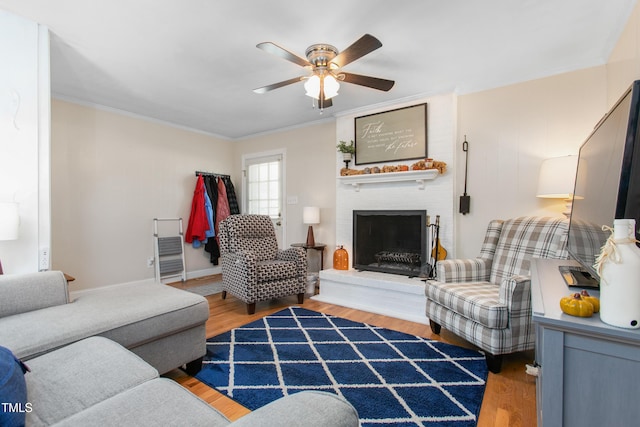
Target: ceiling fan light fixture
{"x":331,"y":87}
{"x":312,"y":86}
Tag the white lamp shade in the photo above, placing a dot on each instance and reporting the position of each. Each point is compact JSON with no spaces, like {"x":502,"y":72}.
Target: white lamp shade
{"x":311,"y":215}
{"x":9,"y":221}
{"x":312,"y":87}
{"x":557,"y":177}
{"x":331,"y":87}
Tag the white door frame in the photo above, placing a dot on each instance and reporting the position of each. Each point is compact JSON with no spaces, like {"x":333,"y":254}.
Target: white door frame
{"x":283,"y":197}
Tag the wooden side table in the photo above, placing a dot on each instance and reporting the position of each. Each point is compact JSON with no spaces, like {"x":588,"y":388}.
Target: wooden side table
{"x":318,"y":247}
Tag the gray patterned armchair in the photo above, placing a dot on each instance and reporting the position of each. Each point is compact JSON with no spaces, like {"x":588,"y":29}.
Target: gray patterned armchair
{"x":487,"y":300}
{"x":253,"y":268}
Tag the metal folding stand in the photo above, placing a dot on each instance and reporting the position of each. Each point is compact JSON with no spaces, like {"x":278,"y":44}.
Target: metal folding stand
{"x":169,"y":252}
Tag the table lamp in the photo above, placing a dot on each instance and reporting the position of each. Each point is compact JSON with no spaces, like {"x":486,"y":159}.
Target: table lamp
{"x":9,"y":222}
{"x":310,"y":215}
{"x":557,"y":180}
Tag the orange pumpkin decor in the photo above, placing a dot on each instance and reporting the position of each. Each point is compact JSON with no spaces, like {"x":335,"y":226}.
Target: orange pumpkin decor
{"x":341,"y":259}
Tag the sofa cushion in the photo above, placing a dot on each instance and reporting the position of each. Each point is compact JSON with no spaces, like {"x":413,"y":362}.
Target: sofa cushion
{"x":21,"y":293}
{"x":306,"y":408}
{"x":494,"y":341}
{"x":160,"y":402}
{"x":73,"y":378}
{"x":479,"y":301}
{"x":130,"y":315}
{"x":13,"y":390}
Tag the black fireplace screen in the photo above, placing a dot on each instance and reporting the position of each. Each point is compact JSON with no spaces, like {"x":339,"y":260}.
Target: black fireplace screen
{"x":390,"y":241}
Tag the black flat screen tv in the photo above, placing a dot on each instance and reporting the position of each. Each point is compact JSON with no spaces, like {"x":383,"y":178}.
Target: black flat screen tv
{"x":607,"y":185}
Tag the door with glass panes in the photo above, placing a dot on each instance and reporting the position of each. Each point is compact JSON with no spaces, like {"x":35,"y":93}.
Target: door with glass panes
{"x":263,"y":188}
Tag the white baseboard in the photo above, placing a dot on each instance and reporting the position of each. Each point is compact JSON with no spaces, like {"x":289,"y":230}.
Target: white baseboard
{"x":206,"y":272}
{"x":190,"y":275}
{"x":194,"y":274}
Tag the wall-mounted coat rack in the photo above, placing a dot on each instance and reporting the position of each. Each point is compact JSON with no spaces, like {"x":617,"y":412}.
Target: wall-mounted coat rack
{"x":212,"y":174}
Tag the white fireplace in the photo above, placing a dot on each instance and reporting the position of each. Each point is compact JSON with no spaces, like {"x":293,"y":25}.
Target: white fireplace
{"x":384,"y":293}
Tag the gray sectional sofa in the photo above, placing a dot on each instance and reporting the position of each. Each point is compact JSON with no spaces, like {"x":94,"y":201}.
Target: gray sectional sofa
{"x":82,"y":374}
{"x":163,"y":325}
{"x":97,"y":382}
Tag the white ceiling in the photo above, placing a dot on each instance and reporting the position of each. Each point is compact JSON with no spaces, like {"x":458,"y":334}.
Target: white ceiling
{"x":194,"y":62}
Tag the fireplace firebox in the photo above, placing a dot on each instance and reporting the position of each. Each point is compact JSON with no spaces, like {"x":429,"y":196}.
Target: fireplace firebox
{"x":390,"y":241}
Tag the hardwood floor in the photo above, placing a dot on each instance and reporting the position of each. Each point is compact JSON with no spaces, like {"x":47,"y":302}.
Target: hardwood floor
{"x":509,"y":398}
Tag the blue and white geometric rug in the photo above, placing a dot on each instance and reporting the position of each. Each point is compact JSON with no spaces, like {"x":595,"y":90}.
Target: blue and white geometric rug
{"x":391,"y":378}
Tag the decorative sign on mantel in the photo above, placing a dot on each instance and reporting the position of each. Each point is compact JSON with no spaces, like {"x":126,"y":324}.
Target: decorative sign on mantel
{"x":393,"y":135}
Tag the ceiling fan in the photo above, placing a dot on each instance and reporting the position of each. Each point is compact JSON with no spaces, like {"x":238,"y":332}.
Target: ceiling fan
{"x":325,"y":63}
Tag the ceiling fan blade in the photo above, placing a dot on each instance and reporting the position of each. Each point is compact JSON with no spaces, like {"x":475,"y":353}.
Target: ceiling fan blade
{"x":372,"y":82}
{"x":364,"y":45}
{"x":324,"y":103}
{"x":273,"y":86}
{"x":283,"y":53}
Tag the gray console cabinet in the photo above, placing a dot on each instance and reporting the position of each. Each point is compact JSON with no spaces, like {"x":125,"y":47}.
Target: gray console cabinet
{"x":589,"y":371}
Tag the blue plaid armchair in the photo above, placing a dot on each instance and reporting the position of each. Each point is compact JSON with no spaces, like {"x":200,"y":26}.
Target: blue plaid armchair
{"x":487,"y":300}
{"x":253,"y":268}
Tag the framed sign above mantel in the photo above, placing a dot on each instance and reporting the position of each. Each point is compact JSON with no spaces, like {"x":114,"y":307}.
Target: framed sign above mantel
{"x":399,"y":134}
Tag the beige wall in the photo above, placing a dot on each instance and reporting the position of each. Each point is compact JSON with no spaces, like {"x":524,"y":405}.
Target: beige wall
{"x":510,"y":131}
{"x":623,"y":65}
{"x":513,"y":128}
{"x":111,"y":175}
{"x":104,"y":201}
{"x":310,"y":154}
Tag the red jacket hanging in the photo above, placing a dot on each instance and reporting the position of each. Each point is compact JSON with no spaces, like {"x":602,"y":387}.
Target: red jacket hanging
{"x":198,"y":222}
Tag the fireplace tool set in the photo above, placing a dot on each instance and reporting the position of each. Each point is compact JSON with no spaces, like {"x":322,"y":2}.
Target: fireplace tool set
{"x":438,"y":252}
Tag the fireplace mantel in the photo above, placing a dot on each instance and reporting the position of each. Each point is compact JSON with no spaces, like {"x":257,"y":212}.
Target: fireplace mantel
{"x":419,"y":176}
